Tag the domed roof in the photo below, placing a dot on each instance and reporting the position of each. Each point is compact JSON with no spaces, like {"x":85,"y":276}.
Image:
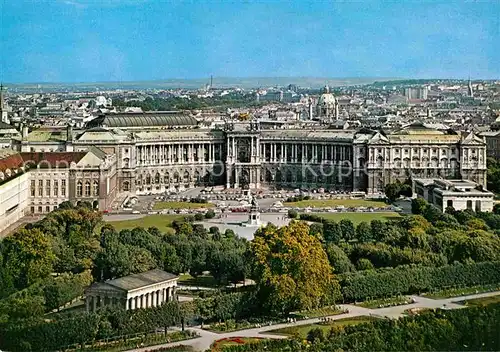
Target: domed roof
{"x":326,"y":99}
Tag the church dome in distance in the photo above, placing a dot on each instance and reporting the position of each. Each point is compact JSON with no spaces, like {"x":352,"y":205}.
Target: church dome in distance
{"x":326,"y":98}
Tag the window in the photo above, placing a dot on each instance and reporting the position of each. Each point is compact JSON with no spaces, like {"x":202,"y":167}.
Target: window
{"x":47,"y":188}
{"x":47,"y":209}
{"x":39,"y":209}
{"x":33,"y":188}
{"x":63,"y":188}
{"x":95,"y":188}
{"x":56,"y":188}
{"x":87,"y":189}
{"x":126,"y":186}
{"x":40,"y":188}
{"x":32,"y":210}
{"x":79,"y":189}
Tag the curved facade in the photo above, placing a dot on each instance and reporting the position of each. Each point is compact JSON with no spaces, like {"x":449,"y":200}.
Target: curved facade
{"x":249,"y":155}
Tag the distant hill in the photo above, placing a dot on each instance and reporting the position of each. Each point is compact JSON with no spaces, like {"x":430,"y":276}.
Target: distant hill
{"x":218,"y":82}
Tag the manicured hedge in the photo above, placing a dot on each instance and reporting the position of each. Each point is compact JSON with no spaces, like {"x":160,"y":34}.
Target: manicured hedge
{"x":370,"y":284}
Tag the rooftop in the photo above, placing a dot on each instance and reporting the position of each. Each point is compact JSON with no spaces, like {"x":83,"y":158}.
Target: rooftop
{"x":143,"y":119}
{"x":136,"y":281}
{"x":46,"y":135}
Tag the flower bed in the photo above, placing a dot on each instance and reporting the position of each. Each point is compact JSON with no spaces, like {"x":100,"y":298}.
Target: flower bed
{"x":230,"y":341}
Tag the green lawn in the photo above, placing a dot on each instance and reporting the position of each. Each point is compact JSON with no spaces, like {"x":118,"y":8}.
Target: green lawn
{"x":199,"y":281}
{"x":181,"y":205}
{"x":324,"y":203}
{"x":356,"y":218}
{"x":477,"y":302}
{"x":320,"y":312}
{"x":162,"y":222}
{"x":302,"y":330}
{"x":385,"y":302}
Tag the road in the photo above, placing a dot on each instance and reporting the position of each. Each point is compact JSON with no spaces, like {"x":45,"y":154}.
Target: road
{"x":206,"y":338}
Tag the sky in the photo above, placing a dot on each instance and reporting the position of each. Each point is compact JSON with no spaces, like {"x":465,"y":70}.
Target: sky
{"x":135,"y":40}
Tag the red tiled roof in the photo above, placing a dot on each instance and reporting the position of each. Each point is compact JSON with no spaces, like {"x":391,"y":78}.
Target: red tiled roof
{"x":12,"y":162}
{"x":53,"y":159}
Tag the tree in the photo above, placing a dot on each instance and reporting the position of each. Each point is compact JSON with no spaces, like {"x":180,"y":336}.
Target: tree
{"x":316,"y":229}
{"x":347,"y":229}
{"x":364,"y":232}
{"x":28,"y":256}
{"x":293,"y":214}
{"x":291,"y":268}
{"x":496,"y":209}
{"x":331,"y":232}
{"x":418,"y":205}
{"x":338,"y":259}
{"x":364,"y":264}
{"x":378,"y":229}
{"x":315,"y":335}
{"x":210,"y":214}
{"x":392,"y":191}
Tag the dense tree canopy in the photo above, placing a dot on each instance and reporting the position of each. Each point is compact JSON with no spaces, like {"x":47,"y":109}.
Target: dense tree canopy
{"x":291,"y":268}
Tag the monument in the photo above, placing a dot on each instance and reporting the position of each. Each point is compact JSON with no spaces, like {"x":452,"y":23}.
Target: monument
{"x":254,"y":216}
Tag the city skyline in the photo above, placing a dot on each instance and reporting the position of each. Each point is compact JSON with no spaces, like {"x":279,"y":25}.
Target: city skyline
{"x":123,"y":40}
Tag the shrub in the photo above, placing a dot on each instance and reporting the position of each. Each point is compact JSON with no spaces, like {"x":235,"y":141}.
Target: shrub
{"x":210,"y":214}
{"x":293,"y":214}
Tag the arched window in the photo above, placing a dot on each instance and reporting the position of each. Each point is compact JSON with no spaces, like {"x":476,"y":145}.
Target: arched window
{"x":186,"y":177}
{"x":79,"y":189}
{"x":87,"y":189}
{"x":126,"y":186}
{"x":157,"y":178}
{"x":148,"y":179}
{"x":95,"y":188}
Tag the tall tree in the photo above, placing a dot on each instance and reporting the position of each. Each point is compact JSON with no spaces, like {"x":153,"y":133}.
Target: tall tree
{"x":291,"y":268}
{"x":28,"y":256}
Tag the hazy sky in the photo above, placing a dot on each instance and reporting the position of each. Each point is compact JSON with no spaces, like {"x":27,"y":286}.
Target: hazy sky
{"x":120,"y":40}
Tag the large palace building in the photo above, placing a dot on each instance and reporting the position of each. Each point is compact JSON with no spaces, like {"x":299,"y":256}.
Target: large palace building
{"x":160,"y":151}
{"x":124,"y":154}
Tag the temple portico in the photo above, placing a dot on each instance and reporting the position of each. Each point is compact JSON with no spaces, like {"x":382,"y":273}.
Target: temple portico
{"x":144,"y":290}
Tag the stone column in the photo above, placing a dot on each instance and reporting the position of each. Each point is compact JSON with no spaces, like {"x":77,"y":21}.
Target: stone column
{"x":94,"y":303}
{"x":233,"y":151}
{"x":87,"y":303}
{"x":127,"y":305}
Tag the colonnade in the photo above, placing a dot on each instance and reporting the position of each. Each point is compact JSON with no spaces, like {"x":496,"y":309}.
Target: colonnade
{"x":285,"y":152}
{"x":150,"y":299}
{"x":164,"y":154}
{"x":93,"y":302}
{"x":142,"y":299}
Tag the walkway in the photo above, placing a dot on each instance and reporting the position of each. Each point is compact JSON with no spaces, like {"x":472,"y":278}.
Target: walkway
{"x":206,"y":338}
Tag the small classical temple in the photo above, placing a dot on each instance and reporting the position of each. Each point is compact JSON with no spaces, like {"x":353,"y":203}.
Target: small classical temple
{"x":149,"y":289}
